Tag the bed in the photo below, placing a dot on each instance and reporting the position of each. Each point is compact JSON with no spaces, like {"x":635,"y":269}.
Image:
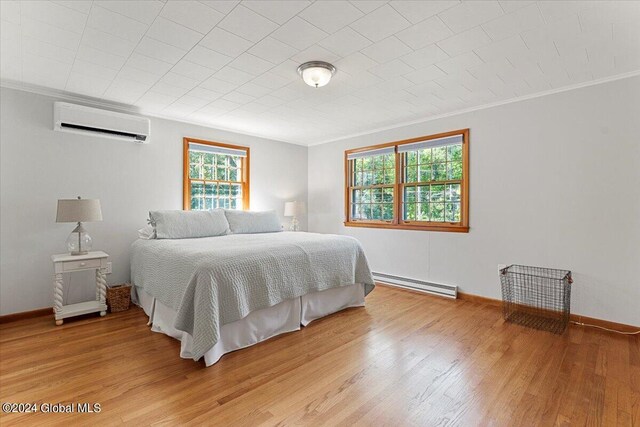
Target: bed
{"x":223,"y":293}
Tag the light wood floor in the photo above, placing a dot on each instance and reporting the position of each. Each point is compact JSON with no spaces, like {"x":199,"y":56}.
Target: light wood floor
{"x":405,"y":359}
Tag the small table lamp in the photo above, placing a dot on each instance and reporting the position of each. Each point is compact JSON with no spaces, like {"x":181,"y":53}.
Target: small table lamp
{"x":294,"y":209}
{"x":79,"y":210}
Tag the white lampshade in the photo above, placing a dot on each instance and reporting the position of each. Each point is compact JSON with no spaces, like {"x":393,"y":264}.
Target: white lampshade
{"x":316,"y":73}
{"x":294,"y":208}
{"x":79,"y":210}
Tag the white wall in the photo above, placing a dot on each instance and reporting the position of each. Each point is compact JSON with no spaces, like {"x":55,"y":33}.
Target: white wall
{"x":555,"y":181}
{"x":38,"y":166}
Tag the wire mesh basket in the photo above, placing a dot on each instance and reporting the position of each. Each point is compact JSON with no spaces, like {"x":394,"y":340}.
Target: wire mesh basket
{"x":536,"y":297}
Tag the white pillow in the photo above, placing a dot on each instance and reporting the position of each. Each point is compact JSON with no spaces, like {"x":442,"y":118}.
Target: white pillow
{"x":243,"y":222}
{"x":189,"y":224}
{"x":147,"y":232}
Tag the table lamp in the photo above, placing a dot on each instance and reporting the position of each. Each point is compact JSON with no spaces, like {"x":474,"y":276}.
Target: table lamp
{"x":294,"y":210}
{"x":79,"y":210}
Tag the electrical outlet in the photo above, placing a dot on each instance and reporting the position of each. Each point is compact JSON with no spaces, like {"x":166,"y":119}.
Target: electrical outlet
{"x":109,"y":270}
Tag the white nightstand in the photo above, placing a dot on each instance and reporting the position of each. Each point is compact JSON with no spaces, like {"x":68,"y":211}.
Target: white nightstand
{"x":65,"y":263}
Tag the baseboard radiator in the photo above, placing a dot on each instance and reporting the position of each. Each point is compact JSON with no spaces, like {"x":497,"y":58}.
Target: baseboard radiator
{"x":439,"y":289}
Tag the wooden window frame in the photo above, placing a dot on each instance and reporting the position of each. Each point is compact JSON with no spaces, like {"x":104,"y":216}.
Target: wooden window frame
{"x":398,"y":223}
{"x":186,"y":179}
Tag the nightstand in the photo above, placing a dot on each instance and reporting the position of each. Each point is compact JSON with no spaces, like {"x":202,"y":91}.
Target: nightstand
{"x":65,"y":263}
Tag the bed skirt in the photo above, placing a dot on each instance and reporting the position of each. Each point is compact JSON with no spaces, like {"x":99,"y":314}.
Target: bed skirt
{"x":259,"y":325}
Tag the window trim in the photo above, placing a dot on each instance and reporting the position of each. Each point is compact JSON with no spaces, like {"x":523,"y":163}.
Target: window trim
{"x":186,"y":180}
{"x":398,"y":223}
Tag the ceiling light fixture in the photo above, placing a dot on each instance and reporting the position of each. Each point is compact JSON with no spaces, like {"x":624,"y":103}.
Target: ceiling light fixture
{"x":316,"y":73}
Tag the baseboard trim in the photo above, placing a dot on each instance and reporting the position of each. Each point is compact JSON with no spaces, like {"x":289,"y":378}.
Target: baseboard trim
{"x":477,"y":298}
{"x":7,"y":318}
{"x":496,"y":303}
{"x":463,"y":296}
{"x":572,"y":317}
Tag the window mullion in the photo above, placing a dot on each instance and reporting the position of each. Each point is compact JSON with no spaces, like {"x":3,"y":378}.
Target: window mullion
{"x":350,"y":184}
{"x":397,"y":205}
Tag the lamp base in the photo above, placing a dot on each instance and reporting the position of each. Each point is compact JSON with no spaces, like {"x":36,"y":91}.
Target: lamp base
{"x":295,"y":225}
{"x":79,"y":242}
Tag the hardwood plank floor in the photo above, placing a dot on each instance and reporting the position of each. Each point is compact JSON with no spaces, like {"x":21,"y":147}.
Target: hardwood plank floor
{"x":405,"y":359}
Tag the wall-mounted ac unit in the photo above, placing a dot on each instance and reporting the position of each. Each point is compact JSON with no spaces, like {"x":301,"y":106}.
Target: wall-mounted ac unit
{"x":80,"y":119}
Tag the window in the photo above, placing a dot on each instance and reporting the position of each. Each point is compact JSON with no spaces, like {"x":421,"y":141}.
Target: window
{"x":215,"y":175}
{"x":417,"y":184}
{"x":373,"y":181}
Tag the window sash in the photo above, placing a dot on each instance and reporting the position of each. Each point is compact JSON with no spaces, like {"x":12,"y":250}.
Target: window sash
{"x":352,"y":186}
{"x":372,"y":203}
{"x":213,"y":196}
{"x":441,"y":204}
{"x":444,"y":201}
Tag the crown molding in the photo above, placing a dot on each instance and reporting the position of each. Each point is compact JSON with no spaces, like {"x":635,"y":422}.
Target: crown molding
{"x":485,"y":106}
{"x":127,"y":108}
{"x":122,"y":108}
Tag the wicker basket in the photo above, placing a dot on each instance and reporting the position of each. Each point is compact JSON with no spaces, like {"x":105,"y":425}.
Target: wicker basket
{"x":119,"y":297}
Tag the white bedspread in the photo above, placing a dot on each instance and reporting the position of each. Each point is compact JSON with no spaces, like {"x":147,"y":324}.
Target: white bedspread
{"x":214,"y":281}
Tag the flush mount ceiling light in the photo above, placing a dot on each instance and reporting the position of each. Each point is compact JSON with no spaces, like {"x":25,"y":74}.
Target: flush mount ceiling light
{"x":316,"y":73}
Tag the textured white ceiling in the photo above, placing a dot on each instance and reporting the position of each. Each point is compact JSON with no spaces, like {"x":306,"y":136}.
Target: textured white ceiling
{"x":232,"y":65}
